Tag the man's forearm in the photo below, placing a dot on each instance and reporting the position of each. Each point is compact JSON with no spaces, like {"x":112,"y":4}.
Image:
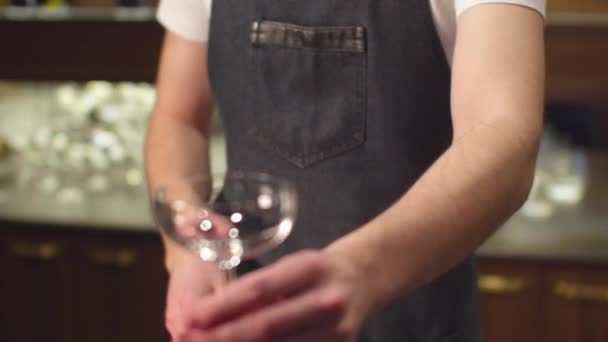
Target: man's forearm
{"x":483,"y":177}
{"x":177,"y":140}
{"x":174,"y":150}
{"x":459,"y":202}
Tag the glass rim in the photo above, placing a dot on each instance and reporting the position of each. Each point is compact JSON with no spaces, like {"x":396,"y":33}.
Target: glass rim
{"x":217,"y":180}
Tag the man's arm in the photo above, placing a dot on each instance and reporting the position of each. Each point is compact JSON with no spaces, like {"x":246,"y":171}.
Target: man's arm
{"x":485,"y":175}
{"x":475,"y":185}
{"x":178,"y":132}
{"x":177,"y":146}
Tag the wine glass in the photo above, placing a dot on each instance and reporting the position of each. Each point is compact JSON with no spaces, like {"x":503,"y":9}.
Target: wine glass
{"x":226,"y":219}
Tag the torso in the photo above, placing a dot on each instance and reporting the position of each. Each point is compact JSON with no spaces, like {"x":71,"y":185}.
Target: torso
{"x":349,"y":99}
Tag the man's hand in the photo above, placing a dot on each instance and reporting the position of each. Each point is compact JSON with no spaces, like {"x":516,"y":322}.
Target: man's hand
{"x":190,"y":282}
{"x":180,"y":122}
{"x":307,"y":296}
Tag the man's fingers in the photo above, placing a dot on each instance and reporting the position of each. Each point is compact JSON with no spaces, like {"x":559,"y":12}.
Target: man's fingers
{"x":281,"y":280}
{"x":308,"y":311}
{"x":321,"y":334}
{"x":193,"y":336}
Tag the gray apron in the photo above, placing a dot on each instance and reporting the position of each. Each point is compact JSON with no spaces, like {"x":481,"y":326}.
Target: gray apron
{"x":350,"y":100}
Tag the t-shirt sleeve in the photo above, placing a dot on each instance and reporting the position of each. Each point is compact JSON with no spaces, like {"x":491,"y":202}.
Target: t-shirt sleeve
{"x":186,"y":18}
{"x":538,"y":5}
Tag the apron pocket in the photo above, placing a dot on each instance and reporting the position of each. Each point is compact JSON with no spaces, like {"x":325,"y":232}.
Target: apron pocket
{"x":312,"y":86}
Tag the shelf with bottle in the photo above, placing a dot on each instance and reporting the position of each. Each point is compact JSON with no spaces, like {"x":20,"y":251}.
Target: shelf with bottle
{"x":75,"y":140}
{"x":78,"y":10}
{"x":73,"y":151}
{"x":127,"y":11}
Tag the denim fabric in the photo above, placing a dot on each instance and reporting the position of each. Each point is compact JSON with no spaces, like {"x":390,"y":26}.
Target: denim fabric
{"x":352,"y":127}
{"x":310,"y":102}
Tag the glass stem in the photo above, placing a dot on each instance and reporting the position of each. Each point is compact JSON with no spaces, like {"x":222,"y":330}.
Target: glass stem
{"x":230,"y":273}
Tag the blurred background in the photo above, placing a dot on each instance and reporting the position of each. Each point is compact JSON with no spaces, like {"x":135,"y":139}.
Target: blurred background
{"x":81,"y":260}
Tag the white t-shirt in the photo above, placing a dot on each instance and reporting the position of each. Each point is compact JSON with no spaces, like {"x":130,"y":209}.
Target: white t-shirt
{"x":190,"y":18}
